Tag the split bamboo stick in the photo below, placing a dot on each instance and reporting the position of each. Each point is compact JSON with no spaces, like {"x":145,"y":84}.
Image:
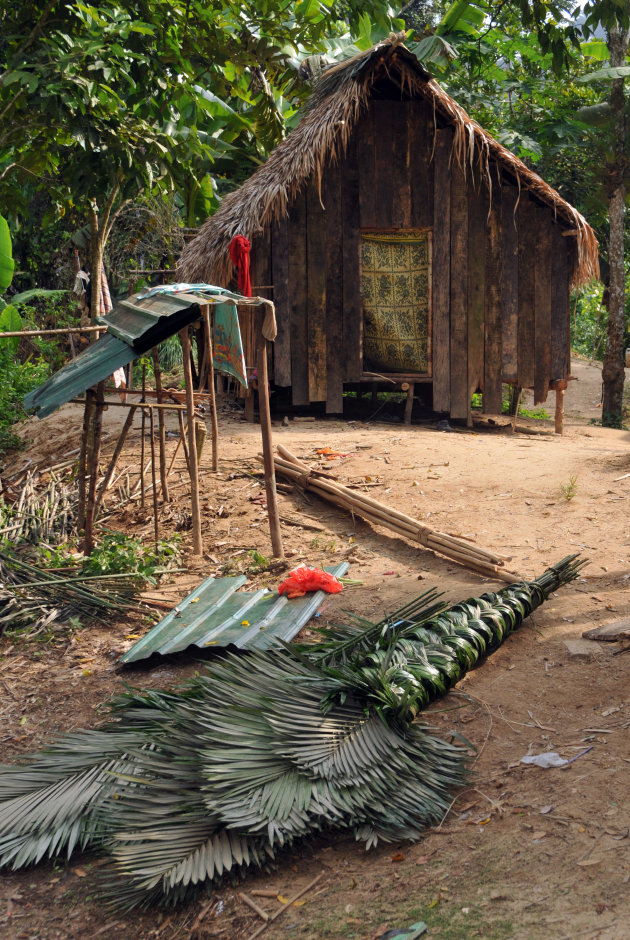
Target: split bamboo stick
{"x":486,"y":563}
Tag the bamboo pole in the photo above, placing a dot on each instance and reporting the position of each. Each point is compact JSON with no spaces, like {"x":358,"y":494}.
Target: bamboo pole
{"x":267,"y":443}
{"x":92,"y":459}
{"x":142,"y":434}
{"x":156,"y":530}
{"x":82,"y":466}
{"x":478,"y":559}
{"x":67,"y":330}
{"x":114,"y":459}
{"x":192,"y":446}
{"x":214,"y":424}
{"x":424,"y":533}
{"x":161,"y":425}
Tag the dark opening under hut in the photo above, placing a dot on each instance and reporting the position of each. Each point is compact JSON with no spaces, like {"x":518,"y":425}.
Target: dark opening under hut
{"x":400,"y":241}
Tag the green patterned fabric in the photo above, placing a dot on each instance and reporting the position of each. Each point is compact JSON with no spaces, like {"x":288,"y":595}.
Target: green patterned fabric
{"x":396,"y":297}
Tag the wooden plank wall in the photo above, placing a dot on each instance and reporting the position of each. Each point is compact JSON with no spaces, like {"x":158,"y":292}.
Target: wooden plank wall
{"x":500,"y":267}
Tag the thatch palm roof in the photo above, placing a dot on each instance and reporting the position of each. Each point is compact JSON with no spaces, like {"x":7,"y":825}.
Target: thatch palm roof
{"x":330,"y":116}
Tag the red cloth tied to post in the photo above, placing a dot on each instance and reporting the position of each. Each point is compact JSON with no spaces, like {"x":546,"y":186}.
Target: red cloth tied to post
{"x":239,"y":254}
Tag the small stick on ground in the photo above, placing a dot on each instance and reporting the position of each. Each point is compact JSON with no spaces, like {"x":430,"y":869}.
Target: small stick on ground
{"x":284,"y":907}
{"x":245,"y":898}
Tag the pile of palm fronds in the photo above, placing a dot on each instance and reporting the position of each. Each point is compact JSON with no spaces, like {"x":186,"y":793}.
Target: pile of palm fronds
{"x":34,"y":597}
{"x":264,"y":748}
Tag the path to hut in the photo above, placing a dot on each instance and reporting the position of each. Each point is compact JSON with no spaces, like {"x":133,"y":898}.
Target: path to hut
{"x":525,"y":853}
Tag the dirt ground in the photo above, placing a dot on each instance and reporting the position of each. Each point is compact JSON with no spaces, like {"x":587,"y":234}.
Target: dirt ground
{"x":524,"y":852}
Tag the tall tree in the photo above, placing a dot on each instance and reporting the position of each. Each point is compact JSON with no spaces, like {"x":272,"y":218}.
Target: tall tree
{"x":99,"y":104}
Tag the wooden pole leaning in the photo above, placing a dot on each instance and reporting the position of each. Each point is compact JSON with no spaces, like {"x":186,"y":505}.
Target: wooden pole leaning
{"x":161,"y":424}
{"x":214,"y":424}
{"x":114,"y":458}
{"x":267,"y":443}
{"x":192,"y":445}
{"x":92,"y":459}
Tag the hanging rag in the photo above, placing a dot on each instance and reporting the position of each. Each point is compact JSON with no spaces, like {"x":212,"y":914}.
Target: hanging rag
{"x":106,"y":307}
{"x":239,"y":254}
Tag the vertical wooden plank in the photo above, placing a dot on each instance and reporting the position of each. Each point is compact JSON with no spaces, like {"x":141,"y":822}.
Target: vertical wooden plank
{"x":280,"y":280}
{"x":351,"y":235}
{"x":441,"y":273}
{"x":399,"y":164}
{"x":335,"y":354}
{"x":316,"y":293}
{"x":542,"y":299}
{"x":492,"y":338}
{"x":509,"y":283}
{"x":527,"y":236}
{"x":476,"y":283}
{"x":298,"y":307}
{"x":460,"y":399}
{"x":560,"y":306}
{"x":367,"y":174}
{"x":384,"y":159}
{"x":422,"y":163}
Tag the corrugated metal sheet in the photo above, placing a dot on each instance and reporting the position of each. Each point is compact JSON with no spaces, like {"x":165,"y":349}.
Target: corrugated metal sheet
{"x":93,"y":365}
{"x":215,"y":615}
{"x":134,"y":327}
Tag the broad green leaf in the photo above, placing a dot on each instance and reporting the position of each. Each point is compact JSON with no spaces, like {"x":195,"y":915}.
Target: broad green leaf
{"x":608,"y":74}
{"x":6,"y":258}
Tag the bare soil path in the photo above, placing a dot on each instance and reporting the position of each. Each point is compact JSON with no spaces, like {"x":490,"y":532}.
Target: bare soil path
{"x":524,"y":853}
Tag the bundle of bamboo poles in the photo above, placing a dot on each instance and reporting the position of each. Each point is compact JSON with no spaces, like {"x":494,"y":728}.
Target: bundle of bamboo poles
{"x":483,"y":562}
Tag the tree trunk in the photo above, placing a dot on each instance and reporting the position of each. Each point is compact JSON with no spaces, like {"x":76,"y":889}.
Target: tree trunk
{"x":97,"y":247}
{"x":613,"y":374}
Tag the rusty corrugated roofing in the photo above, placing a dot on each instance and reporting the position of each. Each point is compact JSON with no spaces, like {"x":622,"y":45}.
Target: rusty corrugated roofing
{"x":216,"y":614}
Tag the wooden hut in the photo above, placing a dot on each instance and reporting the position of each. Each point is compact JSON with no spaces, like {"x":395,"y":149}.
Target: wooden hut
{"x":398,"y":239}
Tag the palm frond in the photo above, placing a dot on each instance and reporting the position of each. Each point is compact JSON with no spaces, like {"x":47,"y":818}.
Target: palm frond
{"x":263,"y":749}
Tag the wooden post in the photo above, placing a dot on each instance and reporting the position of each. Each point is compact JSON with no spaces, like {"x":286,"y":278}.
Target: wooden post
{"x":82,"y":471}
{"x":112,"y":463}
{"x":515,"y":404}
{"x":267,"y":444}
{"x":559,"y":416}
{"x":153,"y":481}
{"x":158,"y":388}
{"x":214,"y":425}
{"x":409,"y":403}
{"x":192,"y":446}
{"x":142,"y":433}
{"x":92,"y":459}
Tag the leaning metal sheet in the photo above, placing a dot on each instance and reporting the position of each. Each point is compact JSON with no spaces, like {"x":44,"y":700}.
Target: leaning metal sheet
{"x":215,"y":615}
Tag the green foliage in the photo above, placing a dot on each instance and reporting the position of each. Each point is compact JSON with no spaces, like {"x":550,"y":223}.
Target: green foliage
{"x":123,"y":554}
{"x":16,"y":380}
{"x":569,"y":489}
{"x":6,"y":256}
{"x":589,"y":322}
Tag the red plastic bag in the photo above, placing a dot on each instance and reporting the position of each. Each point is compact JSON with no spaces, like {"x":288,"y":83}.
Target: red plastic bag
{"x":305,"y":579}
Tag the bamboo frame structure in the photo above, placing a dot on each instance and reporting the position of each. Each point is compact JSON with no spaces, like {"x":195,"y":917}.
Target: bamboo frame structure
{"x":90,"y":502}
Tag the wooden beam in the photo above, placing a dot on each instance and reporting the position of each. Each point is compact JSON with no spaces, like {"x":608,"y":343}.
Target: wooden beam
{"x":273,"y":511}
{"x":192,"y":446}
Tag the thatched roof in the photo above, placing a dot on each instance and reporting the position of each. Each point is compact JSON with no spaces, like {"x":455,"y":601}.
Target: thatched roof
{"x":329,"y":118}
